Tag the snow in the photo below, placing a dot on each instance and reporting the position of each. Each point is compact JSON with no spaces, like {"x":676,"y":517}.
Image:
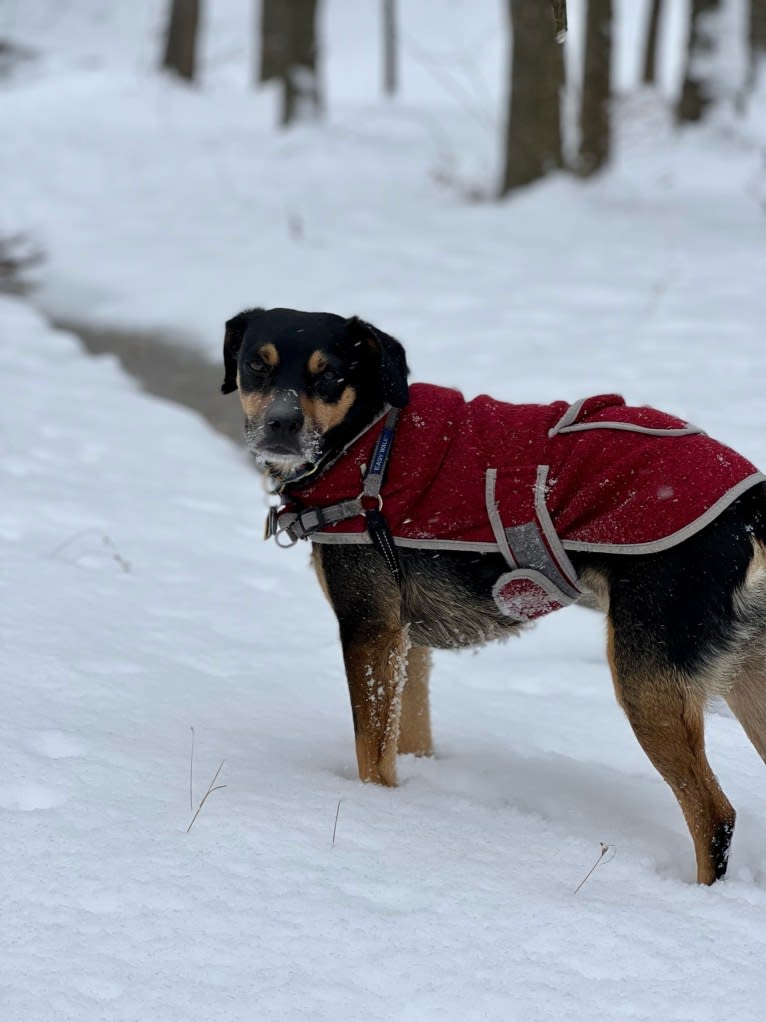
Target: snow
{"x":140,"y":601}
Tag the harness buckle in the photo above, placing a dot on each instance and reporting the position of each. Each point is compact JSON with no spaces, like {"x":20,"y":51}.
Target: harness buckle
{"x":370,"y":501}
{"x":270,"y":526}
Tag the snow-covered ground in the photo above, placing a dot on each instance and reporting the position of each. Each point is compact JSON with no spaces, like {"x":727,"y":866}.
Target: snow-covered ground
{"x":139,"y":600}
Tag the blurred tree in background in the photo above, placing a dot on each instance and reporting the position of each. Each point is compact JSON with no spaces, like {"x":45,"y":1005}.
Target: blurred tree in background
{"x":390,"y":52}
{"x":289,"y":55}
{"x":287,"y":50}
{"x":650,"y":53}
{"x":699,"y":87}
{"x":180,"y":54}
{"x":595,"y":132}
{"x":756,"y":41}
{"x":533,"y":133}
{"x":534,"y":138}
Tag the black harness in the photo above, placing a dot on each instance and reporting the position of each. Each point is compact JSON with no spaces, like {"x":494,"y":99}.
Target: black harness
{"x":296,"y":523}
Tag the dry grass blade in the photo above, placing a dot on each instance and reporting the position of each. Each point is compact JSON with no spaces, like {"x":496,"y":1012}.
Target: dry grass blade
{"x":335,"y":825}
{"x":599,"y":860}
{"x":211,"y":788}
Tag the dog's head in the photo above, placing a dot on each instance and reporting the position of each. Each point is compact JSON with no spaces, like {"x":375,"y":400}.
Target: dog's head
{"x":308,"y":382}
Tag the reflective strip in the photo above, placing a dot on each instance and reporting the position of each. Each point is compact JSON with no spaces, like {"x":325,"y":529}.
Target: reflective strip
{"x":569,"y":416}
{"x":359,"y":538}
{"x":565,"y":566}
{"x":656,"y":545}
{"x":568,"y":424}
{"x":490,"y":483}
{"x":530,"y":551}
{"x":629,"y":427}
{"x":549,"y":588}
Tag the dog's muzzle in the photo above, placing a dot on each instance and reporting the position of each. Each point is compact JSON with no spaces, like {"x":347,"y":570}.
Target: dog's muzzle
{"x":282,"y":437}
{"x":283,"y":423}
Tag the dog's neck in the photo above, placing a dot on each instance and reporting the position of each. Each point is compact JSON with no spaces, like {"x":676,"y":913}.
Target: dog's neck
{"x":278,"y":479}
{"x":338,"y":440}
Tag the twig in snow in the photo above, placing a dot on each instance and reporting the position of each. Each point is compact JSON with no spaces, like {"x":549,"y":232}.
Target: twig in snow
{"x":76,"y":535}
{"x":599,"y":860}
{"x":106,"y":540}
{"x":125,"y":565}
{"x":335,"y":825}
{"x":210,"y":789}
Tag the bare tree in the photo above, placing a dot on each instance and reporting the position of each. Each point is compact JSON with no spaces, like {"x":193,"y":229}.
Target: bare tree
{"x":181,"y":38}
{"x":533,"y":133}
{"x":595,"y":134}
{"x":271,"y":30}
{"x":652,"y":33}
{"x":756,"y":40}
{"x":698,"y":89}
{"x":390,"y":48}
{"x":289,"y":54}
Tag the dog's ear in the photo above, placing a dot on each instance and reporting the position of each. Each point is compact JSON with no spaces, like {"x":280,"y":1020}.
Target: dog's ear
{"x":232,"y":342}
{"x":393,"y":361}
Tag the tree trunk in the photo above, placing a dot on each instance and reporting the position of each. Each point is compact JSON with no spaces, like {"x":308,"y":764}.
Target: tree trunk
{"x":698,"y":90}
{"x":756,"y":40}
{"x":289,"y":55}
{"x":181,"y":38}
{"x":390,"y":54}
{"x":533,"y":134}
{"x":596,"y":88}
{"x":560,"y":26}
{"x":652,"y":32}
{"x":272,"y":40}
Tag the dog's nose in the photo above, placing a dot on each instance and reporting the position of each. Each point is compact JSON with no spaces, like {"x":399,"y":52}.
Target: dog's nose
{"x":284,"y":420}
{"x":284,"y":424}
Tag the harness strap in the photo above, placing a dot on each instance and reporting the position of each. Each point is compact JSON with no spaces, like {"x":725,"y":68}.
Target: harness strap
{"x":300,"y":524}
{"x":373,"y":479}
{"x":380,"y":534}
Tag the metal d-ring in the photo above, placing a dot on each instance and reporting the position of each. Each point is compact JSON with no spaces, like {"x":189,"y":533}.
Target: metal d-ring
{"x":285,"y":532}
{"x":376,"y":496}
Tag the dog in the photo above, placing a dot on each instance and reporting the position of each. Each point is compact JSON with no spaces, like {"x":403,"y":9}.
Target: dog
{"x":440,"y":523}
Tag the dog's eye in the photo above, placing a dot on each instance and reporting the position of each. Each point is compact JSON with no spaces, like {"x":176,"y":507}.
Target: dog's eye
{"x":330,"y":376}
{"x":258,"y":367}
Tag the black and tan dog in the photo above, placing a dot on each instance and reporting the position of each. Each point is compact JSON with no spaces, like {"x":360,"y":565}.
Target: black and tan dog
{"x":686,"y":612}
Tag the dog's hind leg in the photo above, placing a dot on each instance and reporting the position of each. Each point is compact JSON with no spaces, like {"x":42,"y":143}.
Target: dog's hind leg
{"x":376,"y":670}
{"x":415,"y":725}
{"x":666,"y":714}
{"x":747,"y":701}
{"x":746,"y":695}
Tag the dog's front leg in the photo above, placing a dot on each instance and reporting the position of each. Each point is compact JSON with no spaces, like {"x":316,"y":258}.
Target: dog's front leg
{"x":376,"y":670}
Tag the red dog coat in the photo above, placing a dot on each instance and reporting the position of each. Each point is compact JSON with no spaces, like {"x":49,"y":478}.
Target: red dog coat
{"x":531,"y":482}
